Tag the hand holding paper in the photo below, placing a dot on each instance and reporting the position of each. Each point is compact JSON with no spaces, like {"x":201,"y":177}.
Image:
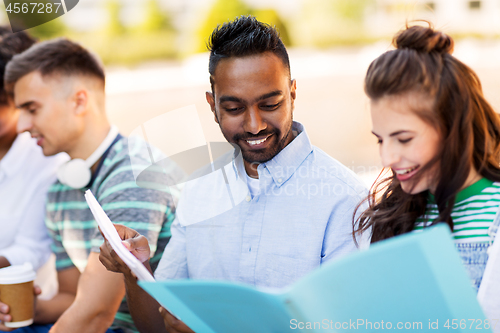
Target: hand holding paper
{"x":114,"y":240}
{"x":137,"y":244}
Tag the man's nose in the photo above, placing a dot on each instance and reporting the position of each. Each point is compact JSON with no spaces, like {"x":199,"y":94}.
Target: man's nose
{"x":24,"y":122}
{"x":254,"y":122}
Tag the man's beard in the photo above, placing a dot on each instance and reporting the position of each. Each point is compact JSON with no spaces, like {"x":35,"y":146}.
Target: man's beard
{"x":261,"y":155}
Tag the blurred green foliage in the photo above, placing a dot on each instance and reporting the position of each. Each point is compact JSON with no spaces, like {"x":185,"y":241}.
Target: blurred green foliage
{"x":270,"y":16}
{"x":319,"y":23}
{"x":221,"y":11}
{"x":152,"y":39}
{"x":114,"y":26}
{"x":226,"y":10}
{"x":325,"y":23}
{"x":51,"y":29}
{"x":156,"y":18}
{"x":131,"y":48}
{"x":352,"y":10}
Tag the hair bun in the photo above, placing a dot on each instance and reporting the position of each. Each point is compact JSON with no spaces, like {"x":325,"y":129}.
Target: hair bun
{"x":422,"y":39}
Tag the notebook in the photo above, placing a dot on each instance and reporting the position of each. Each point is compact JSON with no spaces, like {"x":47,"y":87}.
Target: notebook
{"x":413,"y":282}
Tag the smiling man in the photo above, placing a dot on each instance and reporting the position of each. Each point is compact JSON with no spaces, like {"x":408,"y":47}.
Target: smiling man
{"x":293,"y":204}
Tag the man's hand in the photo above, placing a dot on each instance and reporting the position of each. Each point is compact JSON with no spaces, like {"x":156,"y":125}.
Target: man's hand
{"x":172,"y":324}
{"x":137,"y":244}
{"x":5,"y":309}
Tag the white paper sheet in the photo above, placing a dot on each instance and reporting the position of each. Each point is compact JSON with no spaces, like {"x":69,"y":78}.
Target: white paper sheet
{"x":114,"y":239}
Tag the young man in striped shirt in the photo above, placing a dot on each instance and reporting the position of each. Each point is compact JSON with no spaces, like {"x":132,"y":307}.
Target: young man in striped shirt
{"x":59,"y":87}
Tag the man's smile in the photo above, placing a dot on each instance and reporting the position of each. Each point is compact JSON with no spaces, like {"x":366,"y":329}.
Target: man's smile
{"x":257,"y":143}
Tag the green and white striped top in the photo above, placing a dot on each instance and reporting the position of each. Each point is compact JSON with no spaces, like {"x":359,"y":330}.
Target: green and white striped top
{"x":473,"y":213}
{"x":150,"y":211}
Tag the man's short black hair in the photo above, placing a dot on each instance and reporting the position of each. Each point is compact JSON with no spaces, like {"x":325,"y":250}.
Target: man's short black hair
{"x":10,"y":45}
{"x":244,"y":36}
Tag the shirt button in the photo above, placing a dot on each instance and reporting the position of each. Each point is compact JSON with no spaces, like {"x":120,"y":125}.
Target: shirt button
{"x":280,"y":180}
{"x":248,"y":198}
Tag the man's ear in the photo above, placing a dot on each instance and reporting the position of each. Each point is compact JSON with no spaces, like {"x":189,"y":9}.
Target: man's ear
{"x":210,"y":100}
{"x":80,"y":101}
{"x":292,"y":91}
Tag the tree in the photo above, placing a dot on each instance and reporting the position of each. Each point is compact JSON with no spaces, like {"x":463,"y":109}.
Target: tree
{"x":328,"y":22}
{"x":155,"y":19}
{"x":51,"y":29}
{"x":222,"y":11}
{"x":271,"y":17}
{"x":114,"y":26}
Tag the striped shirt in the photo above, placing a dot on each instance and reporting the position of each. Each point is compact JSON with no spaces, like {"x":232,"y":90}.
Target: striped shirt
{"x":473,"y":213}
{"x":149,"y":211}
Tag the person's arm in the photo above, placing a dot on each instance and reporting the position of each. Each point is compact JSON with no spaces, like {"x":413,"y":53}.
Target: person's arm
{"x":99,"y":295}
{"x":48,"y":311}
{"x":145,"y":310}
{"x":338,"y":240}
{"x":31,"y":241}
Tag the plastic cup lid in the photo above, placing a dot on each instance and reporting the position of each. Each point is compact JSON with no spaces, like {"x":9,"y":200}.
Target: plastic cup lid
{"x":17,"y":274}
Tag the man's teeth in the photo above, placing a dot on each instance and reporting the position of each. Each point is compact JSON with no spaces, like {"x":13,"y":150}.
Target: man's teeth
{"x":256,"y":142}
{"x":404,"y":171}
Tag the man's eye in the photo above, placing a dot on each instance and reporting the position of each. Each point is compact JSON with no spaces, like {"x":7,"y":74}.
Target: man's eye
{"x":232,"y":109}
{"x":32,"y":111}
{"x":271,"y":106}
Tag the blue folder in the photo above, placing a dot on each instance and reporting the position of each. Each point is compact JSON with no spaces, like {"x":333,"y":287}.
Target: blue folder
{"x":414,"y":283}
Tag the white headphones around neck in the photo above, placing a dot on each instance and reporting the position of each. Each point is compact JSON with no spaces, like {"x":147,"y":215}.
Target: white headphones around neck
{"x":76,"y":173}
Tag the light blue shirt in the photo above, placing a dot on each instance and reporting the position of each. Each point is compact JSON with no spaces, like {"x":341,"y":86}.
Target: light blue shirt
{"x":301,"y":218}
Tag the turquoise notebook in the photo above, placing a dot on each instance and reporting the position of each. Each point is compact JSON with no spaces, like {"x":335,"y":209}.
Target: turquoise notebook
{"x":414,"y":282}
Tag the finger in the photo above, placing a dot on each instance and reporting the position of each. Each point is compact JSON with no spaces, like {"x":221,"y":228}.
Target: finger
{"x":4,"y":309}
{"x":139,"y":247}
{"x":104,"y":249}
{"x":125,"y":232}
{"x":164,"y":313}
{"x":5,"y":317}
{"x":106,"y":262}
{"x":174,"y":323}
{"x":116,"y":258}
{"x":114,"y":263}
{"x":167,"y":317}
{"x":127,"y":245}
{"x":37,"y":290}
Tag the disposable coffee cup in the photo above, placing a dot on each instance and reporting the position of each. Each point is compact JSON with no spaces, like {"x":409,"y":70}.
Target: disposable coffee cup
{"x":16,"y":290}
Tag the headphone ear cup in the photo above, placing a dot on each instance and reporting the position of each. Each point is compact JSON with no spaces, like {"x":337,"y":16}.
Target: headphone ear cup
{"x":60,"y":173}
{"x":75,"y":173}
